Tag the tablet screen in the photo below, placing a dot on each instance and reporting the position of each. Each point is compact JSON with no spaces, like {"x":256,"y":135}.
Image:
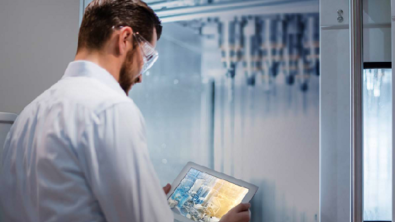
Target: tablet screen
{"x":203,"y":197}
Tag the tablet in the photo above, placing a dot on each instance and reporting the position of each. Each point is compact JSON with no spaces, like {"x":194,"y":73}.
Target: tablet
{"x":201,"y":194}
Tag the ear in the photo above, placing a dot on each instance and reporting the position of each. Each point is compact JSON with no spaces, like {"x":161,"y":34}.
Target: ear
{"x":125,"y":40}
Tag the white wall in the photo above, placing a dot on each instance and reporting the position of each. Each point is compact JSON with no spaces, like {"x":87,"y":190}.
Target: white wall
{"x":38,"y":38}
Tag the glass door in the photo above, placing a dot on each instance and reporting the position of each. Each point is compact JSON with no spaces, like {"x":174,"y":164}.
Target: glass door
{"x":236,"y":89}
{"x":377,"y":111}
{"x":377,"y":114}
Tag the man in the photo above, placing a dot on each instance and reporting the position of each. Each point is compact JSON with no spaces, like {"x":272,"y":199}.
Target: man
{"x":78,"y":153}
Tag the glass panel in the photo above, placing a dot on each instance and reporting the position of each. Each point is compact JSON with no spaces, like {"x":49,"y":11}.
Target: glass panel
{"x":270,"y":138}
{"x":377,"y":111}
{"x":174,"y":103}
{"x":262,"y":128}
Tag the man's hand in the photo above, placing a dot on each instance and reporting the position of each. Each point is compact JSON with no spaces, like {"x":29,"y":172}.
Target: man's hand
{"x":167,"y":188}
{"x":239,"y":213}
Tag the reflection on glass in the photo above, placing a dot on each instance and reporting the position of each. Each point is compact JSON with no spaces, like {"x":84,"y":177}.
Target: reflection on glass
{"x":173,"y":101}
{"x":377,"y":114}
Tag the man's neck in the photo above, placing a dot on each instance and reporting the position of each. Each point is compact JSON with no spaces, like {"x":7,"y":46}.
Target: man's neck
{"x":107,"y":62}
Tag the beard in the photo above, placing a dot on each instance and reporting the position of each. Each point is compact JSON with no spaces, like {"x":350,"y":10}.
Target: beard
{"x":127,"y":75}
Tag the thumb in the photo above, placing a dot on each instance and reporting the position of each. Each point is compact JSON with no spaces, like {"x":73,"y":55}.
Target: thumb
{"x":242,"y":207}
{"x":167,"y":188}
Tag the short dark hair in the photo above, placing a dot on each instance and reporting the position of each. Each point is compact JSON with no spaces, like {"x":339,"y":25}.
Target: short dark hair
{"x":101,"y":15}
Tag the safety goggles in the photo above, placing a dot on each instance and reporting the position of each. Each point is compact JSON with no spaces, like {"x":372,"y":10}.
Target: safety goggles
{"x":150,"y":55}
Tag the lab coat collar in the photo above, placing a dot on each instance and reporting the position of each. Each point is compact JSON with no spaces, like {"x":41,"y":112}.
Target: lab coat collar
{"x":92,"y":70}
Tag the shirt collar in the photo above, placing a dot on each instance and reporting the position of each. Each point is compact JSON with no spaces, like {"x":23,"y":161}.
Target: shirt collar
{"x":89,"y":69}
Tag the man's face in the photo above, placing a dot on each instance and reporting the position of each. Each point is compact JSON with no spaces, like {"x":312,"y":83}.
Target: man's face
{"x":130,"y":73}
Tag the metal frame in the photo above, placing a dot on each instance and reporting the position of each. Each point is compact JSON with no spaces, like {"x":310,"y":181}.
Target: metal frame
{"x":356,"y":160}
{"x":393,"y":106}
{"x":256,"y":7}
{"x":377,"y":65}
{"x":251,"y":7}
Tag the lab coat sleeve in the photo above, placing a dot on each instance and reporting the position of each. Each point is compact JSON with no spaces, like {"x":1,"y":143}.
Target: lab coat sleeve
{"x":118,"y":169}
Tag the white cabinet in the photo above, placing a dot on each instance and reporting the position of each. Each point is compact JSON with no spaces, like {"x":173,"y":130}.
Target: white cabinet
{"x":334,"y":126}
{"x":329,"y":12}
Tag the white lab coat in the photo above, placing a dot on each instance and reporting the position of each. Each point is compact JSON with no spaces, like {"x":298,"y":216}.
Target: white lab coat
{"x":78,"y":153}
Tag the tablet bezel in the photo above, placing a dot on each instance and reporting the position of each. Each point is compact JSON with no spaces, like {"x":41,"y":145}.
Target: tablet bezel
{"x":252,"y":189}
